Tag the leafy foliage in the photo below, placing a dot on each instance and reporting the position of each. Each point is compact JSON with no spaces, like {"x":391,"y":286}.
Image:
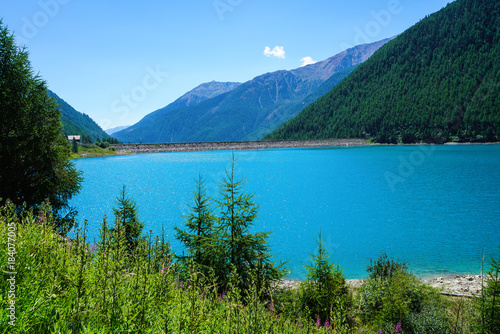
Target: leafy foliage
{"x":438,"y":81}
{"x":33,"y":153}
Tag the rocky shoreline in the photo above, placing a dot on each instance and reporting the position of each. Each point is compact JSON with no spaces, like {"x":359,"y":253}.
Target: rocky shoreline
{"x":455,"y":286}
{"x":243,"y":145}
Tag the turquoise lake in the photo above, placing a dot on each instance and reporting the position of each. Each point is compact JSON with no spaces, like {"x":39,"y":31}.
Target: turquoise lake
{"x":434,"y":207}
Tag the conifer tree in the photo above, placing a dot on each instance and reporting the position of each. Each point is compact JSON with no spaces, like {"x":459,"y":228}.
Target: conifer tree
{"x":245,"y":252}
{"x":126,"y":217}
{"x":325,"y":293}
{"x":199,"y":237}
{"x":34,"y":155}
{"x":74,"y":146}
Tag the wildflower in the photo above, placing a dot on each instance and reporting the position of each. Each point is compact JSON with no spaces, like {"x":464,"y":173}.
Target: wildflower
{"x":327,"y":325}
{"x":318,"y":322}
{"x":41,"y":218}
{"x":271,"y":306}
{"x":93,"y":248}
{"x":398,"y":328}
{"x":222,"y":297}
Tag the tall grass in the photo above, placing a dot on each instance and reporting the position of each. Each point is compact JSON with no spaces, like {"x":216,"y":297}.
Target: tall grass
{"x":70,"y":286}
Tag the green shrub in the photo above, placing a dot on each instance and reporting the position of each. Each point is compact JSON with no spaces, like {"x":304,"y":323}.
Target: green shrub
{"x":395,"y":296}
{"x":384,"y":268}
{"x":103,"y":144}
{"x":430,"y":320}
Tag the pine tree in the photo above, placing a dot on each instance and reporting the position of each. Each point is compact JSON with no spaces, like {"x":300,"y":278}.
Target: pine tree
{"x":34,"y":155}
{"x":198,"y":238}
{"x":325,"y":293}
{"x":126,"y":217}
{"x":74,"y":146}
{"x":242,"y":251}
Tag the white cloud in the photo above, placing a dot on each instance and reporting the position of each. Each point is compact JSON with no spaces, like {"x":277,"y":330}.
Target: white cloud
{"x":307,"y":61}
{"x":277,"y":52}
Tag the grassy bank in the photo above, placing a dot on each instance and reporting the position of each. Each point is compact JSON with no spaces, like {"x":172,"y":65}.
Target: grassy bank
{"x":94,"y":151}
{"x":52,"y":284}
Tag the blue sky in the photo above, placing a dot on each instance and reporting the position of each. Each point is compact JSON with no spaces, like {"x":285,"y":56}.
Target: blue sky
{"x":120,"y":60}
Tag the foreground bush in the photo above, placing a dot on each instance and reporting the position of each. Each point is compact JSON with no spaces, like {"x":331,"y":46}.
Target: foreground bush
{"x":392,"y":296}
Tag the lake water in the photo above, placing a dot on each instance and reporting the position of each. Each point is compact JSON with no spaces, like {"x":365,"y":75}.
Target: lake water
{"x":435,"y":207}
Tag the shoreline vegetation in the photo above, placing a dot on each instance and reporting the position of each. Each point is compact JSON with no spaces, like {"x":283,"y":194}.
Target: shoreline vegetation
{"x":103,"y":287}
{"x":129,"y":149}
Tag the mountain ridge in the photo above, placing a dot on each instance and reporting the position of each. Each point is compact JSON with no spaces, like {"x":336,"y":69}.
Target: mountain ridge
{"x":252,"y":109}
{"x":197,"y":95}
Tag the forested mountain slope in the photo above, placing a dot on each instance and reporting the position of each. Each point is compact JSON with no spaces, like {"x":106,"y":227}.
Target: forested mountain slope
{"x":146,"y":129}
{"x":77,"y":123}
{"x":438,"y":81}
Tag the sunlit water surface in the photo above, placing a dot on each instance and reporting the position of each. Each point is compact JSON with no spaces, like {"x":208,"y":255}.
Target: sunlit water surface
{"x":435,"y":207}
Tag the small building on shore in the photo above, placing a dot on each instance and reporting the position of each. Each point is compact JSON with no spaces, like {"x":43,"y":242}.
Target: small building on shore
{"x":74,"y":137}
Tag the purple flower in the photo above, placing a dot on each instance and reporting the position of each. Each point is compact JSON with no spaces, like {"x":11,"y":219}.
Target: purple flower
{"x":41,"y":218}
{"x":271,"y":306}
{"x":327,"y":325}
{"x":318,"y":322}
{"x":222,"y":297}
{"x":398,"y":328}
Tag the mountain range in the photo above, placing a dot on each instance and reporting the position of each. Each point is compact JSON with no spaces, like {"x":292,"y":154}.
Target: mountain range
{"x":438,"y":81}
{"x":234,"y":112}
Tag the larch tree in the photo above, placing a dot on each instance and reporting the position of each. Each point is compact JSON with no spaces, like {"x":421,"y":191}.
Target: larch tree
{"x":34,"y":155}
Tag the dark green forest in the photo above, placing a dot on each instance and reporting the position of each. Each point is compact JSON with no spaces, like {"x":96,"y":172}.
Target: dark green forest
{"x":439,"y":81}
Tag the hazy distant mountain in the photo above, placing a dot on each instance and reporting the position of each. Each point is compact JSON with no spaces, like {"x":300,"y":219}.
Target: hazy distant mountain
{"x":201,"y":93}
{"x":438,"y":81}
{"x":77,"y":123}
{"x":251,"y":110}
{"x":117,"y":129}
